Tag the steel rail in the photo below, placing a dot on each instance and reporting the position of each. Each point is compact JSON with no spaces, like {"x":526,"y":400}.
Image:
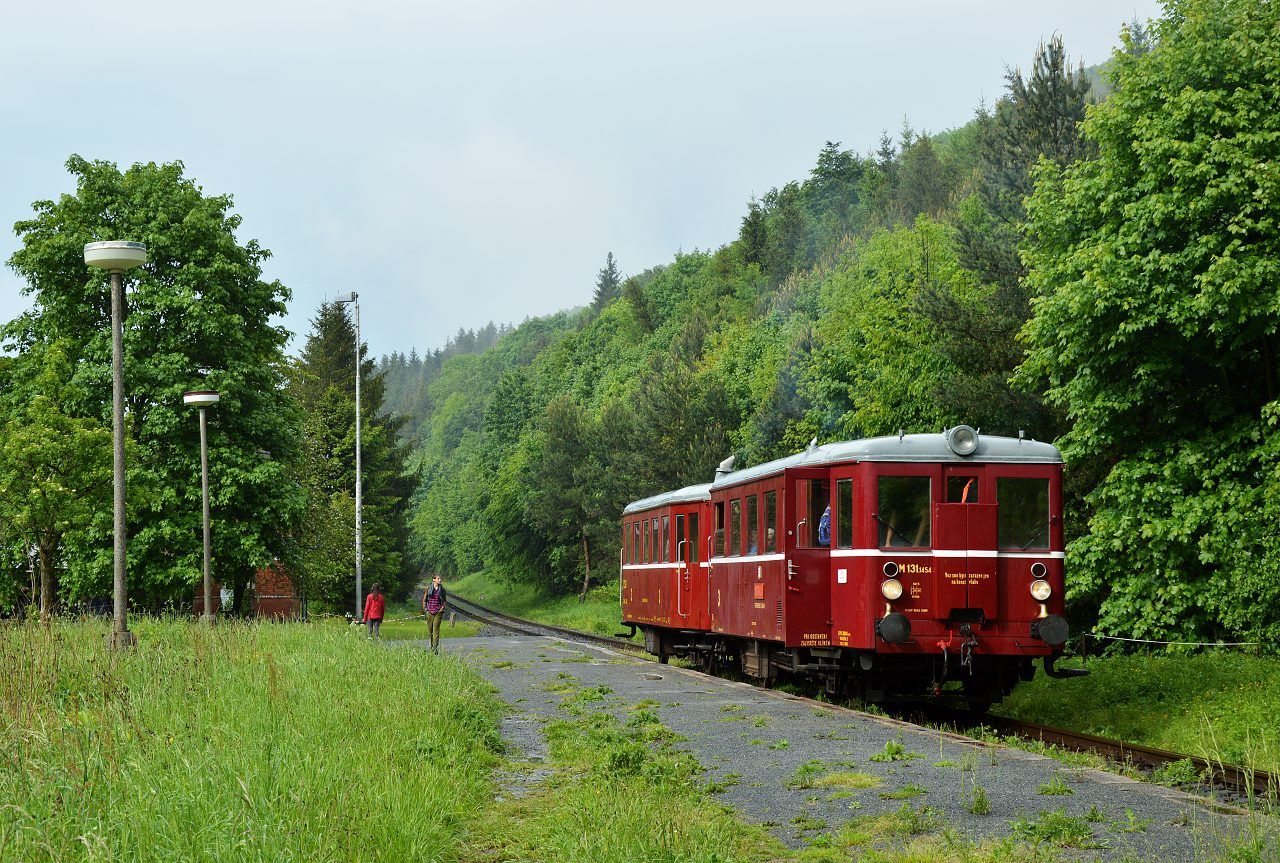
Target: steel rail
{"x":519,"y":624}
{"x":1243,"y":782}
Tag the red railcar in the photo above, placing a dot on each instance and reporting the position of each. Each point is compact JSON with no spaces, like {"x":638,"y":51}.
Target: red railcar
{"x":897,"y":568}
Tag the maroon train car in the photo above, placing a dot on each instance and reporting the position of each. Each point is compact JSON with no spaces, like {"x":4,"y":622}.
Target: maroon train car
{"x":923,"y":566}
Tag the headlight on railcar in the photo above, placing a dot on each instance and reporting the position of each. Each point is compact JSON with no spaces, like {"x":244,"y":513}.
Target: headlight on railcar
{"x":891,"y":589}
{"x":1040,"y":590}
{"x":962,"y":440}
{"x":1039,"y":570}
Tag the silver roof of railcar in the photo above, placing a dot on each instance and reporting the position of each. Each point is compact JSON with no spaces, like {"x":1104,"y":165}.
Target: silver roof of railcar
{"x":908,"y":448}
{"x":688,"y":494}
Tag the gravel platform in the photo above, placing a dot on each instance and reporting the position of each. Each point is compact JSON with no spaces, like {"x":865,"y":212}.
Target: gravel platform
{"x":752,"y":742}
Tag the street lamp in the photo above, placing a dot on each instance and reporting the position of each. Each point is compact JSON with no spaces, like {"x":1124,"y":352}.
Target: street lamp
{"x":116,"y":256}
{"x":354,"y":299}
{"x":202,"y":399}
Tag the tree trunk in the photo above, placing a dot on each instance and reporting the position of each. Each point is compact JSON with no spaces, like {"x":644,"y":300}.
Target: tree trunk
{"x":586,"y":569}
{"x":46,"y":551}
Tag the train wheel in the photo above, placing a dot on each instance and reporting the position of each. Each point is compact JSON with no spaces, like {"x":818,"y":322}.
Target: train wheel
{"x":710,"y":662}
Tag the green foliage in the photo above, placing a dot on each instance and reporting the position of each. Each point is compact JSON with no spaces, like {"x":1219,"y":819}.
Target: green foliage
{"x":888,"y":291}
{"x":608,"y":284}
{"x":1055,"y":787}
{"x":55,"y":469}
{"x":1154,"y":267}
{"x":196,"y":745}
{"x":1219,"y":705}
{"x":323,"y":382}
{"x":1037,"y":118}
{"x":199,"y":315}
{"x":619,"y":796}
{"x":1057,"y":829}
{"x":894,"y":750}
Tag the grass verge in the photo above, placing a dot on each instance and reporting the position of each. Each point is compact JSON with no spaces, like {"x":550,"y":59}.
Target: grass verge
{"x":240,"y":743}
{"x":1219,"y":705}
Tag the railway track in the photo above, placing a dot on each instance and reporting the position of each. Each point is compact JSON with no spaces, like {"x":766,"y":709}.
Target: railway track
{"x":1239,"y":782}
{"x":528,"y":627}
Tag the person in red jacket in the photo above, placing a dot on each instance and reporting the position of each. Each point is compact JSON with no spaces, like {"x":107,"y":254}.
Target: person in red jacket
{"x":375,"y":605}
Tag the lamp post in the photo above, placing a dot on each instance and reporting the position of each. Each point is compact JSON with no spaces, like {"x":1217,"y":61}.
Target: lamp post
{"x":116,"y":256}
{"x":354,"y":299}
{"x":202,"y":399}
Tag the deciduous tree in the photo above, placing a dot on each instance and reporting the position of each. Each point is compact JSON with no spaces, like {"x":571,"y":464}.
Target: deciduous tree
{"x":199,"y":315}
{"x":1156,"y":317}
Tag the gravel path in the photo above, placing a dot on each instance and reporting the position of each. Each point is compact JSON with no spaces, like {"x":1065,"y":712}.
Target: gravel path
{"x":753,"y":742}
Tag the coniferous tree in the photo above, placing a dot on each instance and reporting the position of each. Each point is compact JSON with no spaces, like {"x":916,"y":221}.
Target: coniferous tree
{"x":324,"y":382}
{"x":1039,"y":116}
{"x":753,"y":237}
{"x":608,"y":284}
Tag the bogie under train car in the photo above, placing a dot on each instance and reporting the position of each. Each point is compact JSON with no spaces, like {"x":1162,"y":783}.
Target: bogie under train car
{"x":911,"y":567}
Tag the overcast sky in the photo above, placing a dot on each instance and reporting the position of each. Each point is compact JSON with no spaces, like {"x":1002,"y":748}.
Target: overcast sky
{"x":468,"y":161}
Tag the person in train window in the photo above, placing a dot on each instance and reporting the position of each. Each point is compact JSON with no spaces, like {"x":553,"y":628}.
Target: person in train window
{"x":824,"y":528}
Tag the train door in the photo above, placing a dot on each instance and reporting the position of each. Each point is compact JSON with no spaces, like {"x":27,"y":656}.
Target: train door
{"x":807,"y":585}
{"x":965,"y":546}
{"x":690,"y":575}
{"x":851,"y":591}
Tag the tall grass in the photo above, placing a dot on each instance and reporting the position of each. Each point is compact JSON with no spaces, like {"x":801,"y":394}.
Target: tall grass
{"x":241,"y":743}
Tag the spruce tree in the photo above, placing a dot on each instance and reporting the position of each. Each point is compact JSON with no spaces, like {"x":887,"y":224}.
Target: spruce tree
{"x":608,"y":284}
{"x":324,"y":383}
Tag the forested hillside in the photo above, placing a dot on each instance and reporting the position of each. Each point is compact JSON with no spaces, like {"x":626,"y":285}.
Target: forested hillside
{"x":406,"y":378}
{"x":1100,"y":273}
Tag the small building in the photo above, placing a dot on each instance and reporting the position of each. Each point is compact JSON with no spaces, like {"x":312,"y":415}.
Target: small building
{"x":275,"y":596}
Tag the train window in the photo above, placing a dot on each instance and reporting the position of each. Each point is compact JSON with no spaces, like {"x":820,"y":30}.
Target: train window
{"x":735,"y":528}
{"x":753,"y":525}
{"x":719,"y":551}
{"x":655,"y":553}
{"x":815,"y":502}
{"x":666,"y":538}
{"x":644,"y":541}
{"x":1023,"y":520}
{"x":626,"y":542}
{"x":682,"y":553}
{"x":635,"y":542}
{"x":694,"y":538}
{"x":844,"y":513}
{"x":770,"y":521}
{"x":903,"y":517}
{"x":962,"y":489}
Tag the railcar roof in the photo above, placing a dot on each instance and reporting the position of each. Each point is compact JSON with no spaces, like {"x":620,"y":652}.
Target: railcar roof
{"x":688,"y":494}
{"x":908,"y":448}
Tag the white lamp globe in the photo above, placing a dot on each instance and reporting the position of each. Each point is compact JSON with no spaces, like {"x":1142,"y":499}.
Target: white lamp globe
{"x":115,"y":256}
